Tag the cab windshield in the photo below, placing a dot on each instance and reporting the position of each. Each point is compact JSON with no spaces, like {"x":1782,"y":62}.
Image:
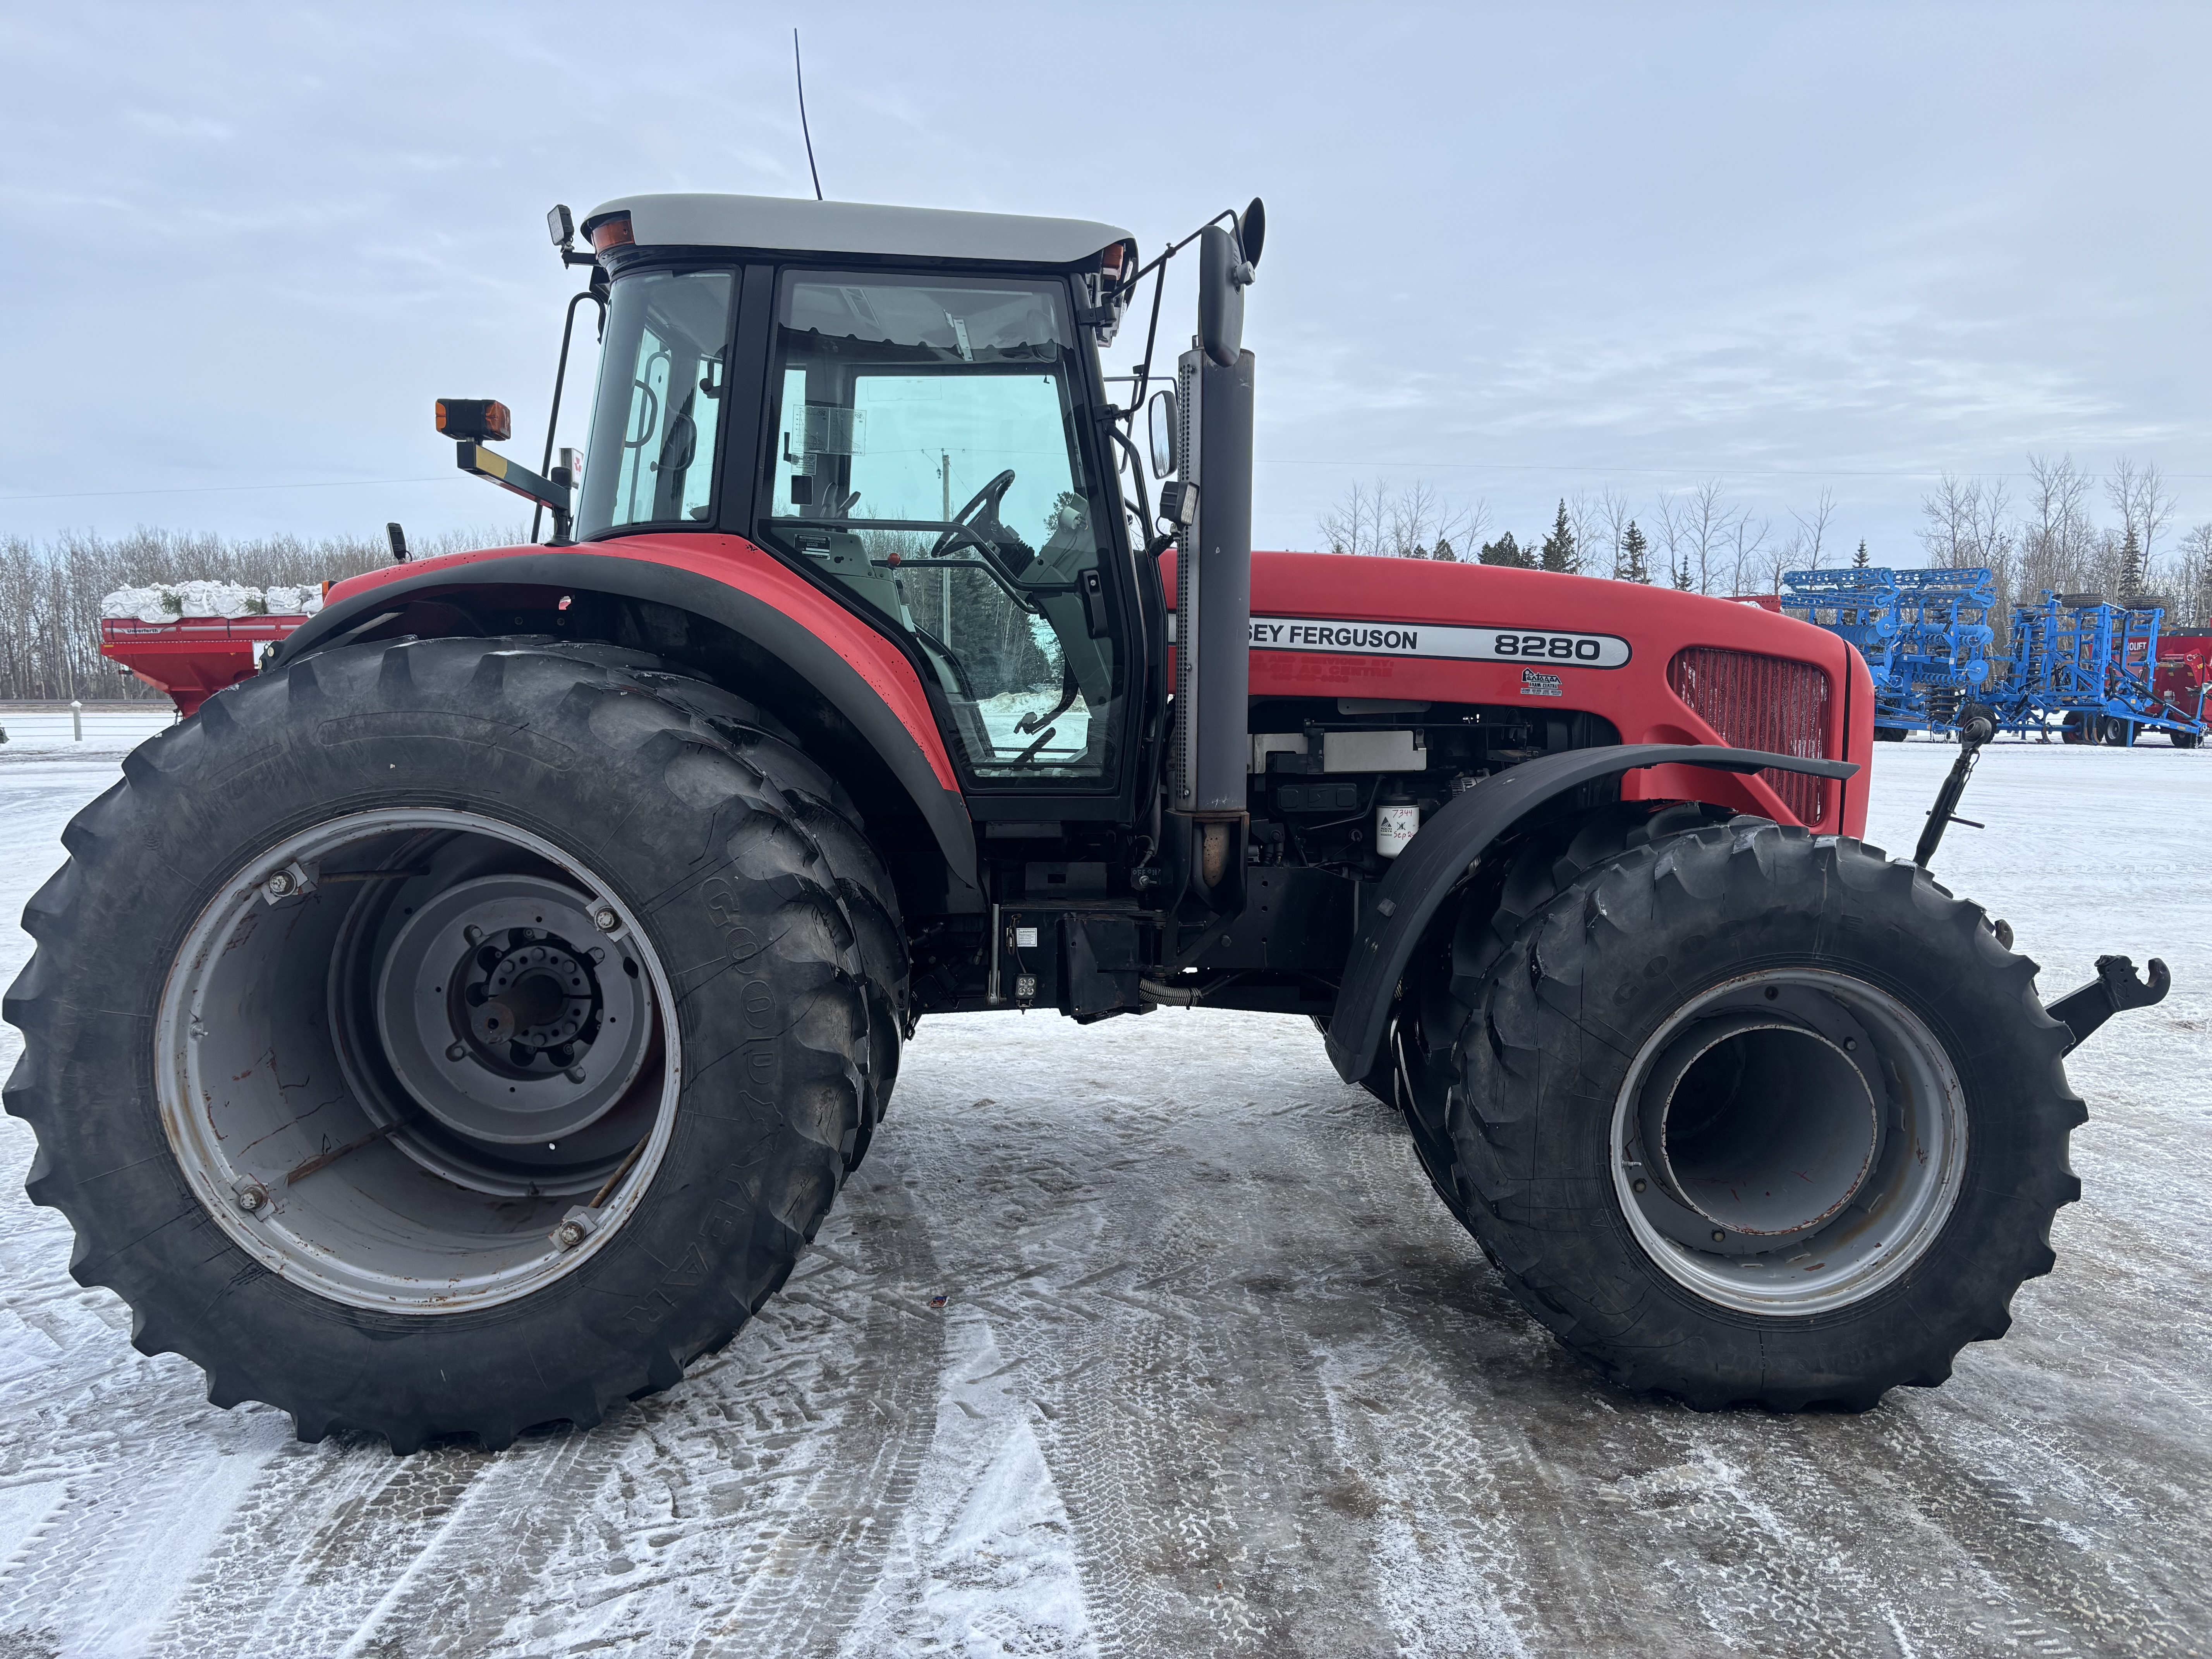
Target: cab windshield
{"x":924,"y":457}
{"x":658,"y":410}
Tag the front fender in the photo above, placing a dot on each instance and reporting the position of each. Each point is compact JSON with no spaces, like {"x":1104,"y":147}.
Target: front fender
{"x":731,"y":582}
{"x":1440,"y":855}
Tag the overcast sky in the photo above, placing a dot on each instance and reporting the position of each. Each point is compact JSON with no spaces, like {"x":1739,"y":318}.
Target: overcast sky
{"x":1514,"y":252}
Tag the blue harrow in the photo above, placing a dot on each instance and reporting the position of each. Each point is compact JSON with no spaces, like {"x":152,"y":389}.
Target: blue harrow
{"x":1925,"y":635}
{"x":2096,"y":666}
{"x":1928,"y":643}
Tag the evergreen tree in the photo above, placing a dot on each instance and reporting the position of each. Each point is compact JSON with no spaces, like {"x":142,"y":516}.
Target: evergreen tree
{"x":2131,"y":568}
{"x":1861,"y":561}
{"x":1558,"y":552}
{"x":1682,"y":578}
{"x":1444,"y":550}
{"x":1633,"y":565}
{"x":1507,"y":551}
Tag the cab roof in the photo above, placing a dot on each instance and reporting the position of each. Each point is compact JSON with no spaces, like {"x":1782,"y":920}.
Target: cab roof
{"x":788,"y":224}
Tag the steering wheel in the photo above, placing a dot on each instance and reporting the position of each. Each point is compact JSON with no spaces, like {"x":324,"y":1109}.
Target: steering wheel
{"x":982,"y":509}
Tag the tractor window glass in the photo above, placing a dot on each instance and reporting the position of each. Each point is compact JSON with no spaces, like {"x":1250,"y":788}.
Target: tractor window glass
{"x":651,"y":454}
{"x":923,"y":456}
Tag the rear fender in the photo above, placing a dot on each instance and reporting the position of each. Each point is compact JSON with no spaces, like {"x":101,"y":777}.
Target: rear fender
{"x":1439,"y":857}
{"x":724,"y":579}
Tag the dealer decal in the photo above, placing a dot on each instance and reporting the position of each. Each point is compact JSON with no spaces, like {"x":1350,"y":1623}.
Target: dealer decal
{"x":1549,"y":646}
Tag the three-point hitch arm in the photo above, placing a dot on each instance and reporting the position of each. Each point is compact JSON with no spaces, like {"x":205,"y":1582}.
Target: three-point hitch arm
{"x":2116,"y":990}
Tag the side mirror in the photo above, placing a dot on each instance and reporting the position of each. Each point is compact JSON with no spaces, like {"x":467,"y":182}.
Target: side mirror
{"x":1163,"y":417}
{"x":1222,"y":274}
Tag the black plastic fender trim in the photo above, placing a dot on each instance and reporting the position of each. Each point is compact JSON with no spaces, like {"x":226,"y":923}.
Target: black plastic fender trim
{"x":814,"y":660}
{"x":1440,"y":855}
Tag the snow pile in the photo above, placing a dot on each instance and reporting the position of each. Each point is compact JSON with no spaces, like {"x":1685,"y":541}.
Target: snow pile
{"x":170,"y":601}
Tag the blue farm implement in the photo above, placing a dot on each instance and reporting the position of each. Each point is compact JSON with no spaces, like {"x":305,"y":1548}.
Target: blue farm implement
{"x":2096,"y":666}
{"x":1925,"y":635}
{"x":1927,"y":640}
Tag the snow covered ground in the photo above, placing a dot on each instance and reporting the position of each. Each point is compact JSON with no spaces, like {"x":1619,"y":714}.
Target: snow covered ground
{"x":1214,"y":1373}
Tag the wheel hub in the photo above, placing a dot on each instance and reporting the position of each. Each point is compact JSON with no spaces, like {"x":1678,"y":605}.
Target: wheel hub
{"x":1789,"y":1142}
{"x":497,"y":1024}
{"x":527,"y":999}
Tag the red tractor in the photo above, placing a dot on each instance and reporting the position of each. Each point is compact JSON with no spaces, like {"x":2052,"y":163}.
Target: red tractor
{"x":463,"y":1022}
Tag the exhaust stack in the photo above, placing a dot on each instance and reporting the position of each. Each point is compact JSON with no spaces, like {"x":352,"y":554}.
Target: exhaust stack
{"x":1213,"y":612}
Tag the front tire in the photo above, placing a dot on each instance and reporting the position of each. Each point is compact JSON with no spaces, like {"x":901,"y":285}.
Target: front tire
{"x":446,"y":1037}
{"x":1754,"y":1118}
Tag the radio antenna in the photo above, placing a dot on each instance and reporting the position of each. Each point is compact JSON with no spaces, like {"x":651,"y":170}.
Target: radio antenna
{"x":799,"y":75}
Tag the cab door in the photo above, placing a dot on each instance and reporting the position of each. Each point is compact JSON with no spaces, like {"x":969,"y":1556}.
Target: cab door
{"x":930,"y":454}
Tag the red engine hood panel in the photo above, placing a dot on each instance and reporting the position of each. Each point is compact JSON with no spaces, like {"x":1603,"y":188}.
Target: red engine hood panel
{"x":1329,"y":625}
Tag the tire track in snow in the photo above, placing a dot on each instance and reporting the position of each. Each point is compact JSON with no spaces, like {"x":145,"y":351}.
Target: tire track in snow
{"x":984,"y":1561}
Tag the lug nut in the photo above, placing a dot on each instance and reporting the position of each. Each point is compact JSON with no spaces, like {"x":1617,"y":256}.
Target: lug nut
{"x":605,"y":920}
{"x":251,"y":1198}
{"x":279,"y":884}
{"x":574,"y":1074}
{"x":569,"y":1234}
{"x":1719,"y":1238}
{"x":1638,"y":1184}
{"x":456,"y":1051}
{"x":473,"y":934}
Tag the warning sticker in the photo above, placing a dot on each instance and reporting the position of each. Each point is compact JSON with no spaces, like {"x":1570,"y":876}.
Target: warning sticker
{"x":1550,"y":646}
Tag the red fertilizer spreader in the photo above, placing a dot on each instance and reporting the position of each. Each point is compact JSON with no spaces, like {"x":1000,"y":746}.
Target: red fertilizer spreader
{"x":192,"y":658}
{"x":2183,"y":677}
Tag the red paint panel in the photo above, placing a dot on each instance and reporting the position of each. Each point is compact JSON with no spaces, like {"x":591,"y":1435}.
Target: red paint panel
{"x":735,"y":563}
{"x":1635,"y":697}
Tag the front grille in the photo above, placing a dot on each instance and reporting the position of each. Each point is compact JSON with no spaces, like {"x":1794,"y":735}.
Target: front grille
{"x":1769,"y":703}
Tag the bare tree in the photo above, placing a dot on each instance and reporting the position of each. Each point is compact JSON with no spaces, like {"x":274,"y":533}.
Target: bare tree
{"x":1698,"y":528}
{"x":1586,"y":518}
{"x":1612,"y":516}
{"x":2192,"y":588}
{"x":1671,"y":537}
{"x":2139,"y":494}
{"x":1414,"y":522}
{"x":2056,"y":540}
{"x":1811,"y":536}
{"x":1950,"y":510}
{"x":1354,"y":524}
{"x":1746,"y":538}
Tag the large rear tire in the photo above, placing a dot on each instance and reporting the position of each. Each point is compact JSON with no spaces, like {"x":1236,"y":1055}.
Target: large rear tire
{"x":1749,"y":1117}
{"x":453,"y":1036}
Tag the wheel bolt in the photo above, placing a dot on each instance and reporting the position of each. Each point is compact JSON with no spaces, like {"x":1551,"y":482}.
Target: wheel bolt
{"x":473,"y":934}
{"x":456,"y":1051}
{"x":1719,"y":1238}
{"x":569,"y":1235}
{"x":1638,"y":1184}
{"x":278,"y":885}
{"x":251,"y":1198}
{"x":605,"y":920}
{"x":574,"y":1074}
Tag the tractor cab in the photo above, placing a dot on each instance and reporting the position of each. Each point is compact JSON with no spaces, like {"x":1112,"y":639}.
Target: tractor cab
{"x":905,"y":406}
